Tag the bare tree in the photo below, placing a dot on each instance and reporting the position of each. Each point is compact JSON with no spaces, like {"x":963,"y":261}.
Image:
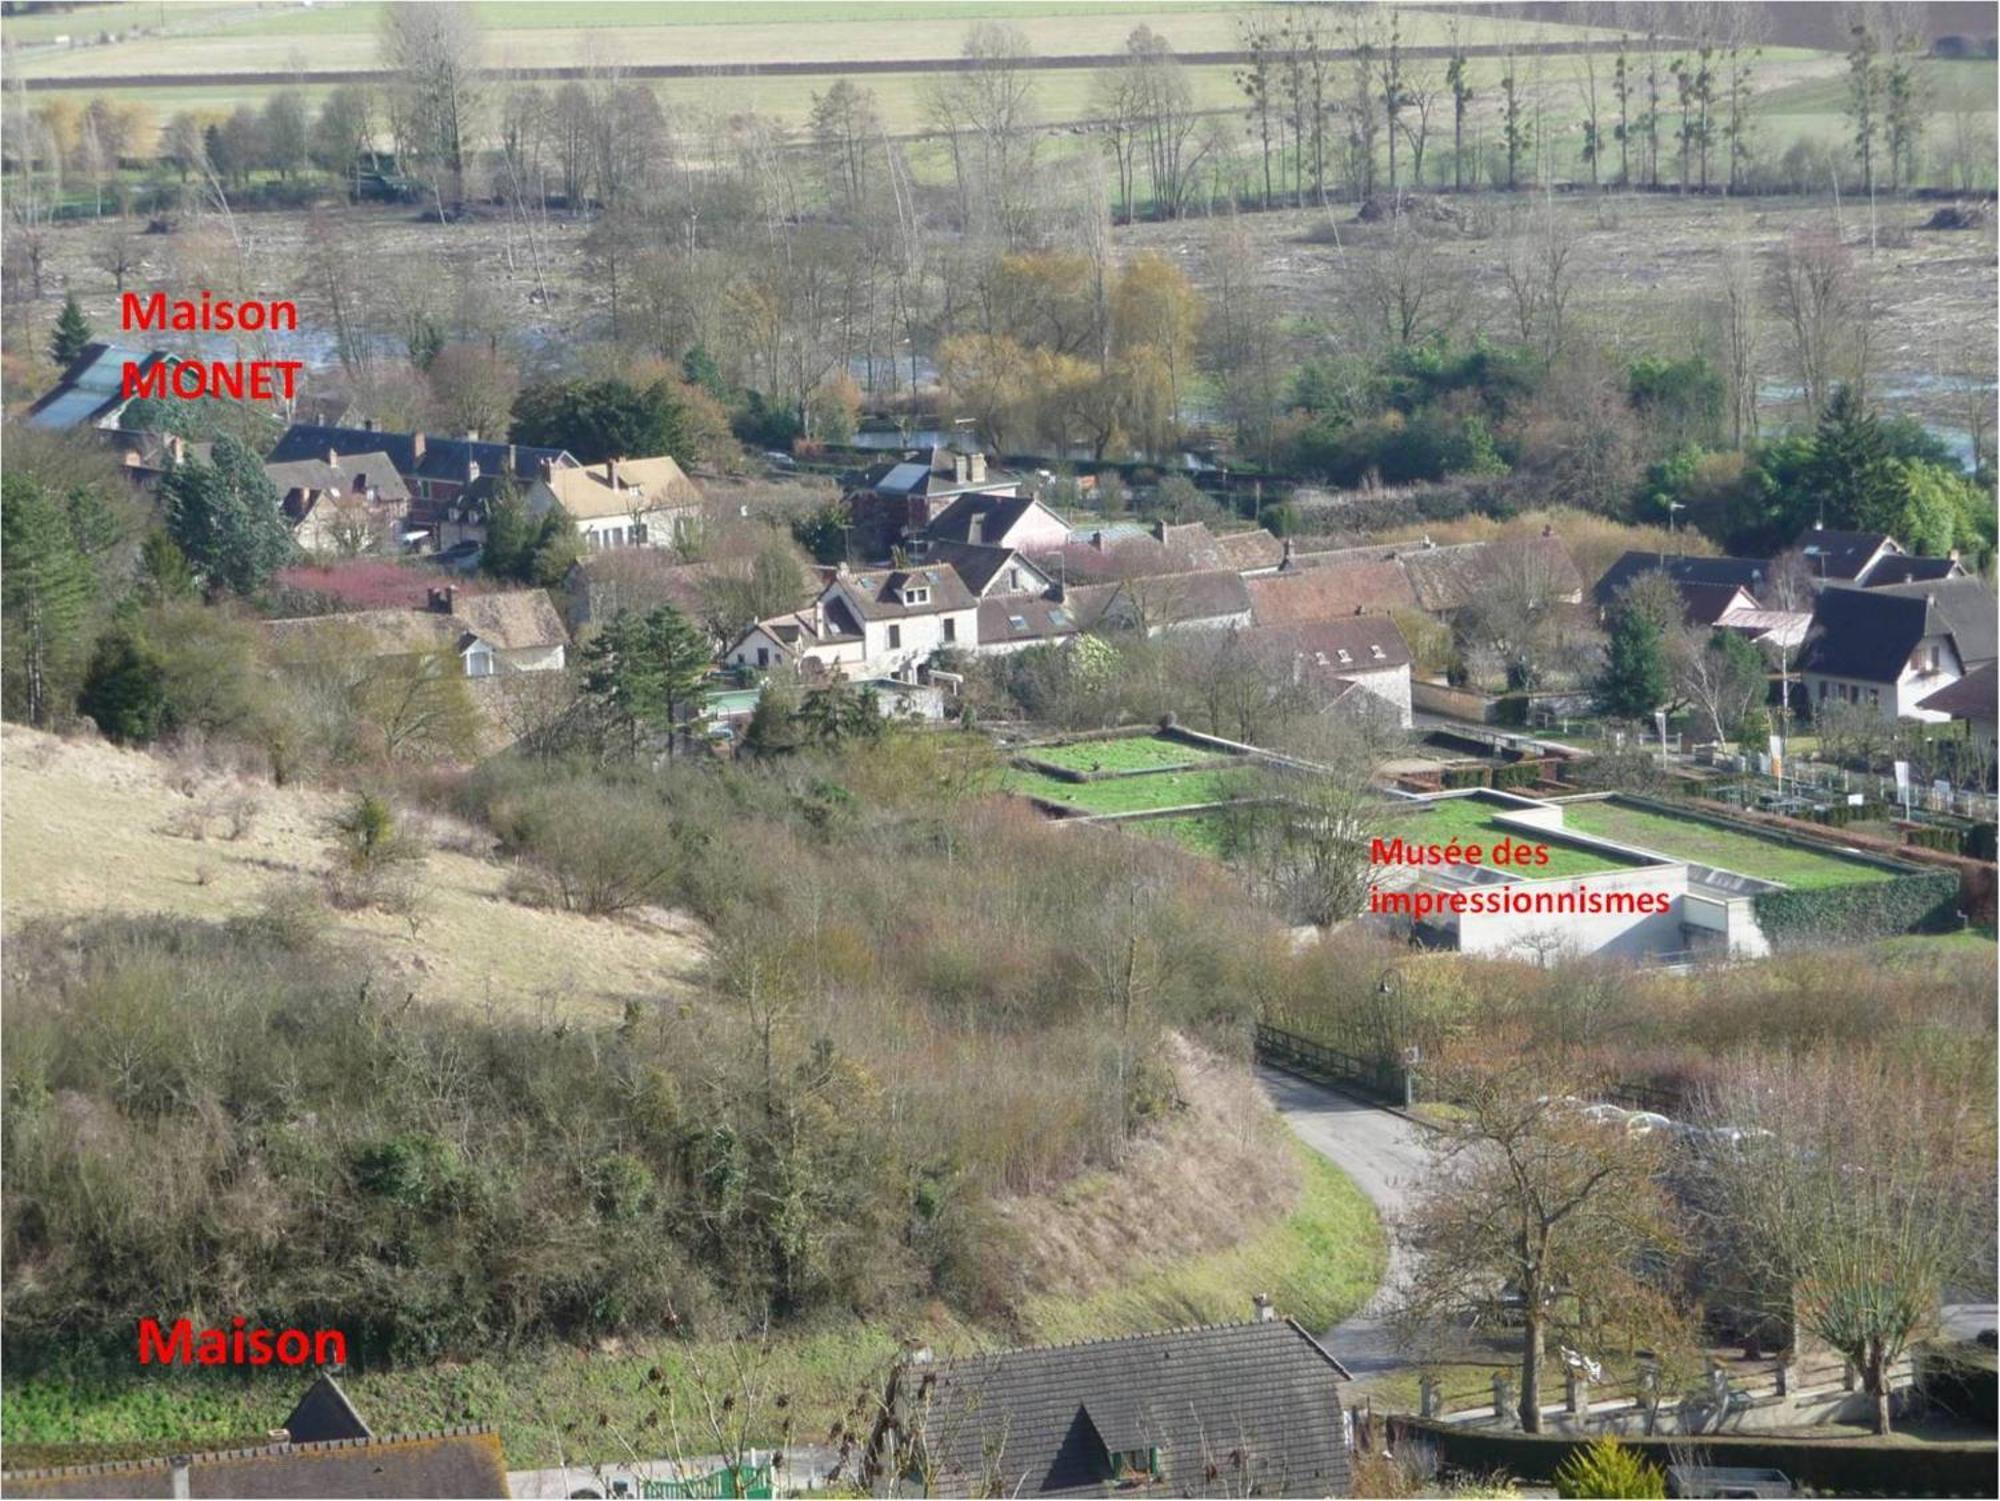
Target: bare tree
{"x":1740,"y":304}
{"x":1817,"y":294}
{"x":1716,"y":673}
{"x":1860,"y":1196}
{"x":434,"y":50}
{"x":1529,"y":1206}
{"x":1520,"y":611}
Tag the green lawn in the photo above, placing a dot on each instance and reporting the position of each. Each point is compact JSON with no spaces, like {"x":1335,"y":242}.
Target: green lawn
{"x":1727,"y":849}
{"x":1139,"y":753}
{"x":1200,"y":832}
{"x":1135,"y":794}
{"x":1471,"y":821}
{"x":1318,"y":1264}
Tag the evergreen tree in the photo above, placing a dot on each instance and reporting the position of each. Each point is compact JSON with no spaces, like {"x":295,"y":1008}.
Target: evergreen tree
{"x":599,"y":420}
{"x":164,"y":575}
{"x":834,"y":712}
{"x":557,"y":545}
{"x":511,"y":537}
{"x":125,"y":690}
{"x":72,"y":333}
{"x":680,"y":658}
{"x":1636,"y":678}
{"x":616,"y":681}
{"x":46,"y":593}
{"x":773,"y":729}
{"x":645,"y":675}
{"x":225,"y":518}
{"x":1849,"y":479}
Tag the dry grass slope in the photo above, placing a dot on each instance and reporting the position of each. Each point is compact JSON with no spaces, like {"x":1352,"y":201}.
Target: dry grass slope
{"x":89,"y":828}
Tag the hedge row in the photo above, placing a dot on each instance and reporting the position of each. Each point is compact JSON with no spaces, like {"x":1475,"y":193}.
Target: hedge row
{"x":1857,"y":913}
{"x":1836,"y":1467}
{"x":1840,"y":815}
{"x":1518,"y":774}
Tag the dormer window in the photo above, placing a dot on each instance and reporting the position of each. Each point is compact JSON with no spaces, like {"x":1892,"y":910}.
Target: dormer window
{"x":1346,"y":656}
{"x":916,"y":594}
{"x":1136,"y":1467}
{"x":1378,"y":653}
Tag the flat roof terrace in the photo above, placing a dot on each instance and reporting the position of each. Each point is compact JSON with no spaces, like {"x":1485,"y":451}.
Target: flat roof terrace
{"x":1479,"y":818}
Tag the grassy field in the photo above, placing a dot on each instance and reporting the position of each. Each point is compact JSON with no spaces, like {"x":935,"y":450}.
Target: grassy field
{"x":1200,"y":832}
{"x":1138,"y":753}
{"x":257,"y":38}
{"x":1134,"y":794}
{"x":89,"y":829}
{"x":1707,"y":844}
{"x":1319,"y":1258}
{"x":1471,"y":821}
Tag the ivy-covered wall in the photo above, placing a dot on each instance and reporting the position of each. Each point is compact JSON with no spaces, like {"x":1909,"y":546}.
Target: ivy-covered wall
{"x":1849,"y":914}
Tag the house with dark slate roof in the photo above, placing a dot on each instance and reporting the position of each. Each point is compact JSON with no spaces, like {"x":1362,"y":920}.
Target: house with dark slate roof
{"x":324,"y":1449}
{"x":449,"y":478}
{"x":1893,"y":648}
{"x":1235,"y":1409}
{"x":1845,"y":557}
{"x":91,"y":392}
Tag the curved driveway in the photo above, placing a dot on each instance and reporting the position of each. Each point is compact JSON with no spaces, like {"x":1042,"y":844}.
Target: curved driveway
{"x":1382,"y":1152}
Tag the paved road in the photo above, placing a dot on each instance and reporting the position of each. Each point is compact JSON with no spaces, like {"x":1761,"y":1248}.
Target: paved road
{"x":1384,"y":1154}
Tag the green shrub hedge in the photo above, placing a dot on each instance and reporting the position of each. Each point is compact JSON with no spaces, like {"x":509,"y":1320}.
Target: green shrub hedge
{"x":1840,"y":815}
{"x":1856,"y":913}
{"x":1979,"y":841}
{"x":1519,"y":774}
{"x":1466,"y":776}
{"x":1837,"y":1467}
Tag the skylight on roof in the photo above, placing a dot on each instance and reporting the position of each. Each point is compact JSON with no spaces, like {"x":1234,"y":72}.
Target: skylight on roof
{"x":1018,"y":622}
{"x":1058,"y":617}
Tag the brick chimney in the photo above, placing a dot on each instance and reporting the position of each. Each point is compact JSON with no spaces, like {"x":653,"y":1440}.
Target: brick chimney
{"x":611,"y":472}
{"x":333,"y":458}
{"x":417,"y":446}
{"x":1097,"y":540}
{"x":513,"y":460}
{"x":472,"y":435}
{"x":959,"y":468}
{"x":548,"y":469}
{"x":444,"y":601}
{"x":978,"y":468}
{"x":1286,"y":560}
{"x":819,"y":615}
{"x":1261,"y":1308}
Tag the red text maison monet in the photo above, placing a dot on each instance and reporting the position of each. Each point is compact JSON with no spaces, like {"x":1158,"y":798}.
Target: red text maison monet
{"x":191,"y":380}
{"x":238,"y":1345}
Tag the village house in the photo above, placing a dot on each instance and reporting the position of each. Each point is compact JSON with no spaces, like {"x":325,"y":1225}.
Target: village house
{"x":621,"y":502}
{"x":1124,"y":550}
{"x":509,"y":631}
{"x":906,"y":495}
{"x":323,"y":1448}
{"x":1367,"y":652}
{"x":450,"y":479}
{"x":1893,"y":648}
{"x":1971,"y":699}
{"x":989,"y":572}
{"x":1750,"y":575}
{"x":870,"y":622}
{"x":1233,"y":1409}
{"x":1312,"y":595}
{"x":91,"y":392}
{"x":342,"y":503}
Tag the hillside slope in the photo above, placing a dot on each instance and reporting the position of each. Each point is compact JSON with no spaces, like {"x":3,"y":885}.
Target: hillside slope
{"x":87,"y":828}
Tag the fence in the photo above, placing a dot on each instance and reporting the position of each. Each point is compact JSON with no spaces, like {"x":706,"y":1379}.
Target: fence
{"x":730,"y":1481}
{"x":1315,"y":1060}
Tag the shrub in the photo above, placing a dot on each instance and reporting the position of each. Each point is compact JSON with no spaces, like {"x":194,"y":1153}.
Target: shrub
{"x":1857,"y":913}
{"x":1606,"y":1468}
{"x":1466,"y":776}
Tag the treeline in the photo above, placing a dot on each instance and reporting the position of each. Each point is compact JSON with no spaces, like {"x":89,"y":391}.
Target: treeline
{"x":247,"y":1118}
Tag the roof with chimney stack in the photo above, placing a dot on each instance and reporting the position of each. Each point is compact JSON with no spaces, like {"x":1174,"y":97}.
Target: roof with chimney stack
{"x":1905,"y":568}
{"x":1113,"y":553}
{"x":1871,"y":634}
{"x":984,"y":568}
{"x":894,"y":593}
{"x":1231,"y":1409}
{"x":420,"y":455}
{"x":1314,"y":594}
{"x":340,"y":473}
{"x":941,"y":471}
{"x":622,"y":487}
